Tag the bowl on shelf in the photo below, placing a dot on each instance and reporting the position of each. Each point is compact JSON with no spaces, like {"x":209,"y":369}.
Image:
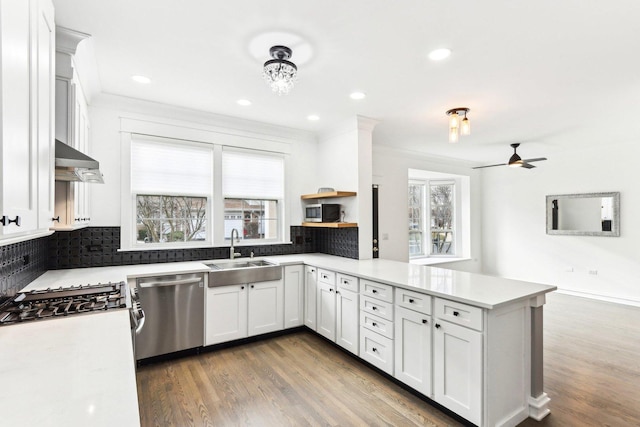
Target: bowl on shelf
{"x":325,"y":190}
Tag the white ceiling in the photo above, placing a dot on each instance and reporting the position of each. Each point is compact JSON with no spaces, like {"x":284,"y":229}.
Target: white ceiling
{"x":553,"y":75}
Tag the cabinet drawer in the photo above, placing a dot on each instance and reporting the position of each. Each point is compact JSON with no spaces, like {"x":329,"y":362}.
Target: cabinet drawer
{"x":377,"y":350}
{"x":377,"y":290}
{"x":349,"y":283}
{"x":413,"y":300}
{"x":379,"y":308}
{"x":326,"y":276}
{"x":376,"y":324}
{"x":461,"y":314}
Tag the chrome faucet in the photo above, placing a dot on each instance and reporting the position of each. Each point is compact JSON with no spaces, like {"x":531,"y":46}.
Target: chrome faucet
{"x":232,"y":252}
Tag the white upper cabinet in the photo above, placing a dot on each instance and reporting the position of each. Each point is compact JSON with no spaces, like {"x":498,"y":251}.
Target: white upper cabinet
{"x":26,"y":137}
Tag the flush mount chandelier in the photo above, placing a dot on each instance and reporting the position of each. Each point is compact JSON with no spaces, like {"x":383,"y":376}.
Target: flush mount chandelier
{"x":457,"y":126}
{"x":279,"y":72}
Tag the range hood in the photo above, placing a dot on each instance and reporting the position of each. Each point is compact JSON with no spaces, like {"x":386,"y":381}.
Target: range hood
{"x":72,"y":165}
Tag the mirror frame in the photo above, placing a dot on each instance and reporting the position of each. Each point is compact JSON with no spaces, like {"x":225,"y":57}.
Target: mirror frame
{"x":615,"y":227}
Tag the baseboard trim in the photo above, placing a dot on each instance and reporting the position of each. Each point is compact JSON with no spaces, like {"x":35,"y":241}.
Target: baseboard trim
{"x":605,"y":298}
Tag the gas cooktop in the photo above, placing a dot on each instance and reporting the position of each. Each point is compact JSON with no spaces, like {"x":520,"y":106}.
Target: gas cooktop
{"x":64,"y":301}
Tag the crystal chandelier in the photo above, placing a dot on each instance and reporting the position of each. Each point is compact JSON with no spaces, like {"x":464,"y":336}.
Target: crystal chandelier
{"x":279,"y":73}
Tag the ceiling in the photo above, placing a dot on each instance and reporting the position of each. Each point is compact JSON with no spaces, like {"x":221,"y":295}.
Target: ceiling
{"x":552,"y":75}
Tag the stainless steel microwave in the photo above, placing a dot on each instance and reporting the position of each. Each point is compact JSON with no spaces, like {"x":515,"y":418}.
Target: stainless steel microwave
{"x":322,"y":212}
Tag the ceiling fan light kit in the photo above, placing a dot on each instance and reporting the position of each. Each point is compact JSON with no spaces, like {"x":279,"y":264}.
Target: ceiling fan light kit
{"x":280,"y":73}
{"x":457,"y":126}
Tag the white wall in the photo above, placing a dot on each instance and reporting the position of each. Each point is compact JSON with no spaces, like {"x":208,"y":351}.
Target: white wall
{"x":390,"y":172}
{"x":515,"y":243}
{"x":108,"y":111}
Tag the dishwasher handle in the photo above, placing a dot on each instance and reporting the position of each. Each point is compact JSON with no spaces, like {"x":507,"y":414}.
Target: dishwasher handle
{"x":163,"y":283}
{"x":141,"y":320}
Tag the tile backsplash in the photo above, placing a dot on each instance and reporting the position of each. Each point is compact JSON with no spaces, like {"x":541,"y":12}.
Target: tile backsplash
{"x":98,"y":247}
{"x":22,"y":262}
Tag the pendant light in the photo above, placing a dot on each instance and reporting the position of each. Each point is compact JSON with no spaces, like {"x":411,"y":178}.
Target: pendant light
{"x":279,"y":72}
{"x":457,"y":126}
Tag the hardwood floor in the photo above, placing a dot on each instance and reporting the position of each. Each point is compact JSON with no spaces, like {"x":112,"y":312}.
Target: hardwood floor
{"x":592,"y":375}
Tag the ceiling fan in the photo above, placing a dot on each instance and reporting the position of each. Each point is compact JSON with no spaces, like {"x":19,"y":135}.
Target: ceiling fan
{"x":515,"y":161}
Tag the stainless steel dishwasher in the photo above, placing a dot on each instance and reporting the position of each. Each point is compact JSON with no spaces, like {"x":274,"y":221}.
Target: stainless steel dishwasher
{"x":174,"y":312}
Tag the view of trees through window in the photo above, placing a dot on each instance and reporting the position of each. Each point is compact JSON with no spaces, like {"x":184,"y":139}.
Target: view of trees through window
{"x":432,"y":203}
{"x":254,"y":219}
{"x":170,"y":218}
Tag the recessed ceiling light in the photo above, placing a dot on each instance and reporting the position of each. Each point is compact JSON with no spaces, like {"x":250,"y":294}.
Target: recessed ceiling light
{"x":313,"y":117}
{"x":357,"y":95}
{"x":243,"y":102}
{"x":439,"y":54}
{"x":141,"y":79}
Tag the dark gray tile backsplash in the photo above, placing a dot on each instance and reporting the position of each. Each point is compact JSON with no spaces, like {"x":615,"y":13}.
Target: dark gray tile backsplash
{"x":98,"y":247}
{"x":21,"y":263}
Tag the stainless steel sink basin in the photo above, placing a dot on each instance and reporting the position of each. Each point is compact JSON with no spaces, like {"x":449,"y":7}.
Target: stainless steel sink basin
{"x":241,"y":272}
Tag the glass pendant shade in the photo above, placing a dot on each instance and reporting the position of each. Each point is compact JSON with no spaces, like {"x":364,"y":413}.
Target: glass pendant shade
{"x":454,"y":120}
{"x":466,"y":127}
{"x":453,"y":135}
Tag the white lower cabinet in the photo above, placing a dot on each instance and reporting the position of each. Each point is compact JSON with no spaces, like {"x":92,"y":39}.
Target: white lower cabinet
{"x":326,"y":310}
{"x":457,"y":369}
{"x":293,"y":296}
{"x":226,"y":314}
{"x":266,"y":307}
{"x":239,"y":311}
{"x":412,"y":342}
{"x":347,"y":320}
{"x":310,"y":290}
{"x":376,"y":325}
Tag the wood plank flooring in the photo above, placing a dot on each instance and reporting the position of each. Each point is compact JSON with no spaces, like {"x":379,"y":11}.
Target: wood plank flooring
{"x":592,"y":375}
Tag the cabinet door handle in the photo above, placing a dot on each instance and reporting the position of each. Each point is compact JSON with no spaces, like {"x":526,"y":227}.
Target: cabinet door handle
{"x":455,"y":313}
{"x":374,"y":349}
{"x":424,"y":321}
{"x":374,"y":324}
{"x":241,"y":287}
{"x":437,"y":326}
{"x":337,"y":292}
{"x":56,"y":218}
{"x":374,"y":291}
{"x":330,"y":289}
{"x":6,"y":221}
{"x":251,"y":286}
{"x":374,"y":308}
{"x":410,"y":300}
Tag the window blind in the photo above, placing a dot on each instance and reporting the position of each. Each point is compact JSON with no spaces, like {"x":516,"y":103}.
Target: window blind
{"x":248,"y":175}
{"x":165,"y":168}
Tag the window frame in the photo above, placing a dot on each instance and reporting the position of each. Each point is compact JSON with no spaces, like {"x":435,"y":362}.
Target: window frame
{"x":215,"y":200}
{"x":461,"y":223}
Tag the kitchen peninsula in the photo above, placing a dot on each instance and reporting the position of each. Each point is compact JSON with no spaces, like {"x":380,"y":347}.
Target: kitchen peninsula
{"x":501,"y":318}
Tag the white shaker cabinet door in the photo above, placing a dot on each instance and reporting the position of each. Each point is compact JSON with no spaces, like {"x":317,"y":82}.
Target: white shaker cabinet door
{"x":347,"y":322}
{"x":326,"y":310}
{"x":457,"y":369}
{"x":266,"y":307}
{"x":293,"y":296}
{"x":226,"y":314}
{"x":412,"y":342}
{"x":310,"y":293}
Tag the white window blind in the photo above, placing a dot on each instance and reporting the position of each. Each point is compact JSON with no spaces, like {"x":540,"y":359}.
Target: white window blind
{"x":164,"y":168}
{"x":252,"y":175}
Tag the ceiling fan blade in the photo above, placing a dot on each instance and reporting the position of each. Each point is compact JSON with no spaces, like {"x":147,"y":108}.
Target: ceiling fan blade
{"x":538,"y":159}
{"x":489,"y":166}
{"x":527,"y":165}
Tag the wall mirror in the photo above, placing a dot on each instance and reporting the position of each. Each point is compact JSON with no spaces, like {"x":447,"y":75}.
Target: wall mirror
{"x":587,"y":214}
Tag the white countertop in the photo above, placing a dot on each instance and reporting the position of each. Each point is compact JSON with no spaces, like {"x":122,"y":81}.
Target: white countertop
{"x":74,"y":371}
{"x":79,"y":371}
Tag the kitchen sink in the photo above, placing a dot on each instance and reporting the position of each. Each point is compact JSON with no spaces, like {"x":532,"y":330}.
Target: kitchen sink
{"x":241,"y":272}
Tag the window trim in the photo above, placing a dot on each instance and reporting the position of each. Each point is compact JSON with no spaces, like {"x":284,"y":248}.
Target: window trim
{"x":462,"y":223}
{"x":215,"y":203}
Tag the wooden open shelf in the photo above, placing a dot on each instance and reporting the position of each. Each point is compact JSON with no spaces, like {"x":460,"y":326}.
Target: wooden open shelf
{"x":330,"y":224}
{"x":328,"y":195}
